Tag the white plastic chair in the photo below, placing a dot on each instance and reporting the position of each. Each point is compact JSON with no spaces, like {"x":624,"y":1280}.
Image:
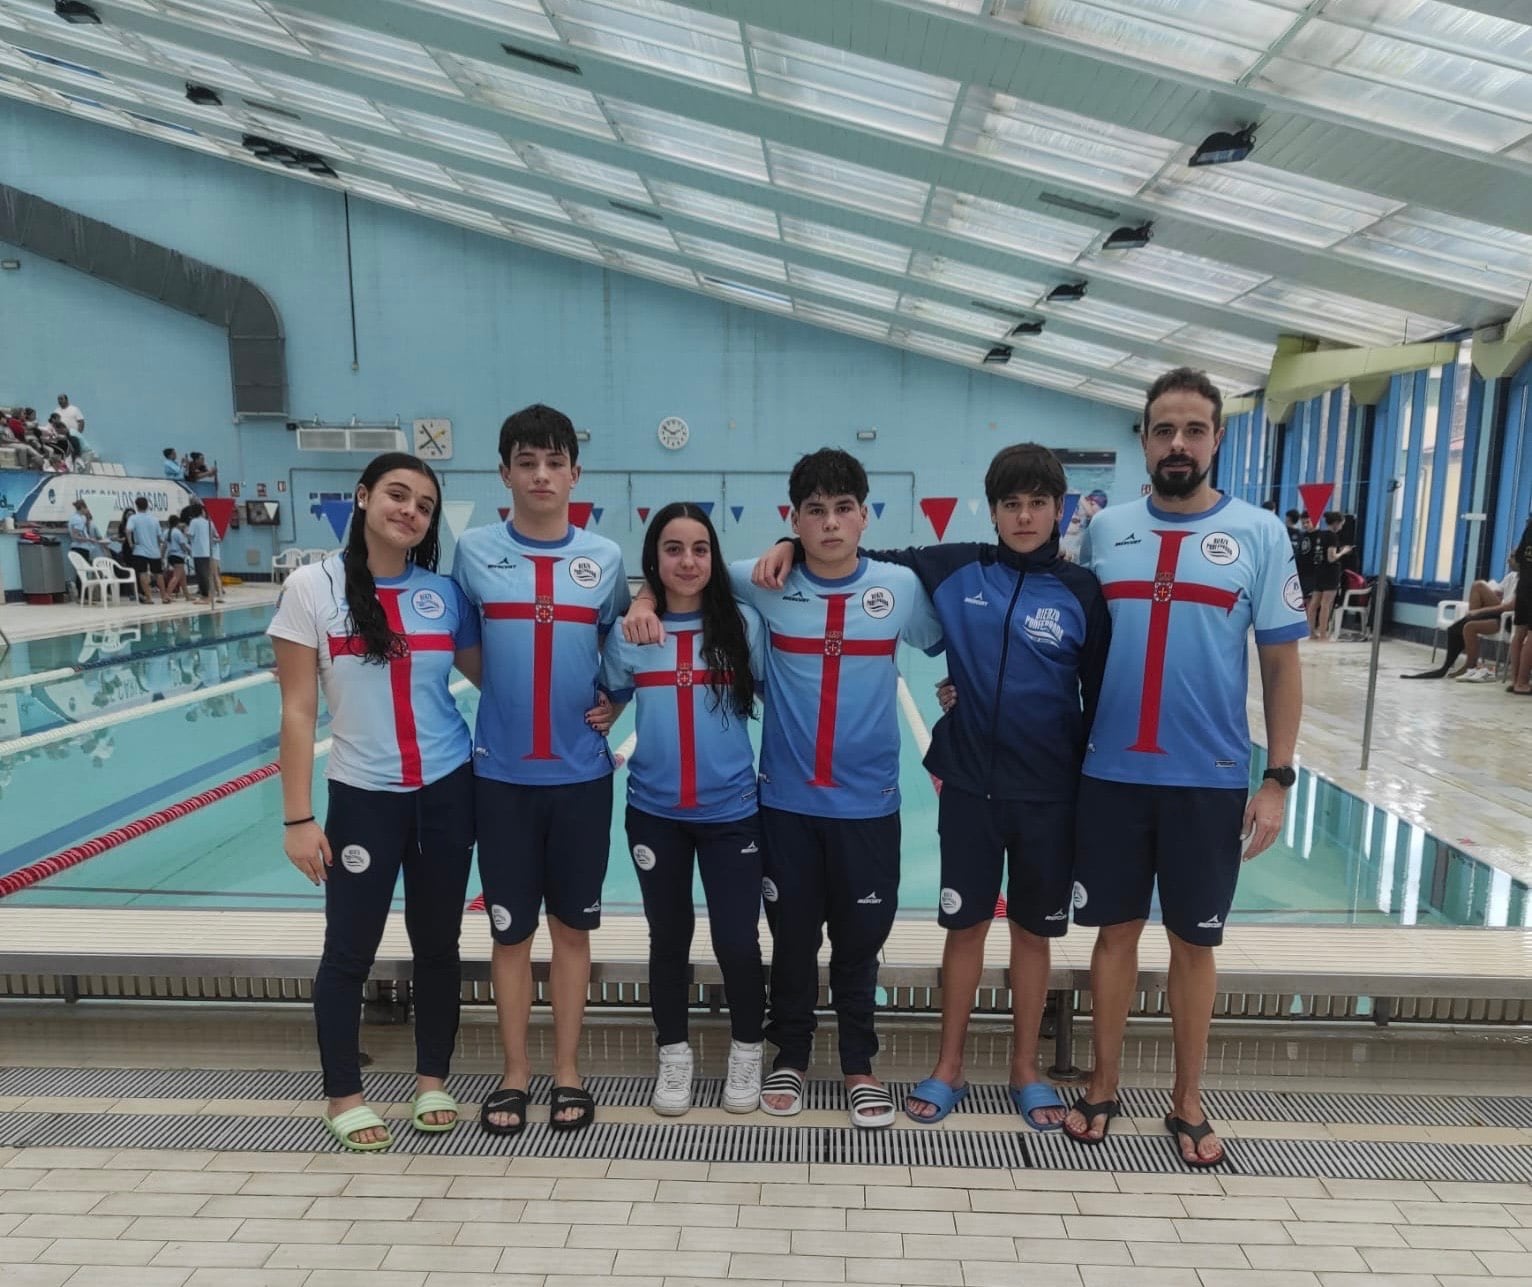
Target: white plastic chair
{"x":283,"y":564}
{"x":1447,"y":611}
{"x":1359,"y":602}
{"x":114,"y":574}
{"x":90,"y":579}
{"x":1503,"y":639}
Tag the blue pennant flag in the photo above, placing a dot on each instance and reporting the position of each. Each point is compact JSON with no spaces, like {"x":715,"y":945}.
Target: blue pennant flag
{"x":705,"y":506}
{"x":877,"y":508}
{"x":338,"y":513}
{"x":595,"y":513}
{"x":738,"y":511}
{"x":1071,"y":503}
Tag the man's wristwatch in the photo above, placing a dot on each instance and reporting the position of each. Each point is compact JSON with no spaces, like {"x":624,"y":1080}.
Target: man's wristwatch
{"x":1283,"y":775}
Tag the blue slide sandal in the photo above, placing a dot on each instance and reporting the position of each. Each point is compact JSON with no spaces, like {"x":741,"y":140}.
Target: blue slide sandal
{"x":1033,"y":1096}
{"x":937,"y":1093}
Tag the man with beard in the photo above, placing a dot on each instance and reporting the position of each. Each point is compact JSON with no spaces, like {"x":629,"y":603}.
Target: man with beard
{"x":1187,"y":572}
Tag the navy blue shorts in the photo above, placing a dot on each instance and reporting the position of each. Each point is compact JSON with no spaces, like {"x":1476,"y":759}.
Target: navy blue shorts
{"x":542,"y":846}
{"x":1185,"y":839}
{"x":1033,"y":843}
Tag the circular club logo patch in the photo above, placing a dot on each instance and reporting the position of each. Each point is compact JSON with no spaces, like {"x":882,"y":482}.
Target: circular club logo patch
{"x":951,"y":900}
{"x":643,"y":857}
{"x":585,"y":573}
{"x":500,"y":918}
{"x":1292,"y":593}
{"x":355,"y":859}
{"x":428,"y":604}
{"x":1079,"y":898}
{"x":877,"y":602}
{"x":768,"y":889}
{"x":1220,"y":548}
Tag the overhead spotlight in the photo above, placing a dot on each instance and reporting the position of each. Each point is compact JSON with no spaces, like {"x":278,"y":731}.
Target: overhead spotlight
{"x":261,"y":147}
{"x":77,"y":12}
{"x":1067,"y":293}
{"x":1027,"y":328}
{"x":1221,"y":147}
{"x":318,"y":165}
{"x":999,"y":355}
{"x":1130,"y":238}
{"x":202,"y":96}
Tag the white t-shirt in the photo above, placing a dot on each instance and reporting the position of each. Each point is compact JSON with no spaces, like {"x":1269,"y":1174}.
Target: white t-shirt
{"x":72,"y":417}
{"x":1508,"y":586}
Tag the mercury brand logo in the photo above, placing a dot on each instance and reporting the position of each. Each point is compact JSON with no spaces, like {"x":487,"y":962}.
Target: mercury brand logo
{"x":592,"y":909}
{"x":977,"y":600}
{"x":1130,"y":539}
{"x":797,"y":596}
{"x":1061,"y":915}
{"x":1045,"y":626}
{"x":503,"y":564}
{"x":752,"y":847}
{"x":1212,"y":922}
{"x":872,"y":900}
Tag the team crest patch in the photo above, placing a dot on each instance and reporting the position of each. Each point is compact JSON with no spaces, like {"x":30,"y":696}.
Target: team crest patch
{"x":1045,"y":626}
{"x":768,"y":889}
{"x":585,"y":572}
{"x":951,"y":901}
{"x":1079,"y":898}
{"x":428,"y":604}
{"x":500,"y":918}
{"x":1220,"y":548}
{"x":643,"y":857}
{"x":355,"y":859}
{"x":1292,"y":593}
{"x":877,"y":602}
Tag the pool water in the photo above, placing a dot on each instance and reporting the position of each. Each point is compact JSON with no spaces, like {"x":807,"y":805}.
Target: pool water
{"x":1339,"y":860}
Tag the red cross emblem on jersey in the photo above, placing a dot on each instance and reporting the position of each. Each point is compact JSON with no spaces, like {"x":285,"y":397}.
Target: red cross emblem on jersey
{"x":398,"y":678}
{"x":1163,"y":593}
{"x":832,"y":645}
{"x":684,"y":679}
{"x":545,"y":615}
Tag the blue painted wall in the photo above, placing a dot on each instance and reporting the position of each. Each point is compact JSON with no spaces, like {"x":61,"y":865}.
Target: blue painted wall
{"x":455,"y":324}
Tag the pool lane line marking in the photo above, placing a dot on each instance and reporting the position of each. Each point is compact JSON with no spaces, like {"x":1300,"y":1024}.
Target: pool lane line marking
{"x":106,"y":663}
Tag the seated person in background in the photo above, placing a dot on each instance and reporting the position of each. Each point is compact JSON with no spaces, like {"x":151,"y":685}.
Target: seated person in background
{"x":1521,"y":638}
{"x":171,"y":465}
{"x":197,"y":468}
{"x":1468,"y":632}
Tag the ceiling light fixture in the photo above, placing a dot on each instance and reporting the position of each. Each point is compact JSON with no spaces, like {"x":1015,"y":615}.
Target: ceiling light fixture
{"x":1222,"y":147}
{"x":1067,"y":293}
{"x":202,"y":96}
{"x":1034,"y":327}
{"x":999,"y":355}
{"x":76,"y":12}
{"x":1130,"y":238}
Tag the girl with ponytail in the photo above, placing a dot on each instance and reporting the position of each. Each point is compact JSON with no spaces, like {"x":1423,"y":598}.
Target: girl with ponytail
{"x":380,"y":630}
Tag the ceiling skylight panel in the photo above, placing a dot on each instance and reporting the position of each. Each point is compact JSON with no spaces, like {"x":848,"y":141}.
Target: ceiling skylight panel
{"x":1124,"y":395}
{"x":1263,"y":201}
{"x":758,"y":221}
{"x":849,"y":87}
{"x":962,"y":6}
{"x":1103,"y":315}
{"x":1072,"y":350}
{"x":939,"y":346}
{"x":1342,"y":317}
{"x":846,"y":184}
{"x":585,"y":173}
{"x":1177,"y":273}
{"x":197,"y":65}
{"x":1446,"y":26}
{"x":454,"y":136}
{"x":648,"y":266}
{"x":362,"y":186}
{"x":530,"y":96}
{"x":561,"y":243}
{"x":744,"y":293}
{"x":367,"y":51}
{"x":397,"y":163}
{"x":658,"y":37}
{"x":456,"y":213}
{"x":308,"y":96}
{"x":1051,"y":141}
{"x":745,"y":261}
{"x":1013,"y":291}
{"x":840,"y":244}
{"x":690,"y":141}
{"x":1018,"y":368}
{"x":839,"y":319}
{"x":284,"y":131}
{"x":509,"y":194}
{"x":627,"y":227}
{"x":243,"y":19}
{"x":933,"y":313}
{"x":512,"y":15}
{"x":1222,"y":346}
{"x":846,"y":288}
{"x":996,"y":224}
{"x":1466,"y":254}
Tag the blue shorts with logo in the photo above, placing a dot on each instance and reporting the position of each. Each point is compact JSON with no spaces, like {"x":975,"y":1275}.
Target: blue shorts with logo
{"x":1032,"y":842}
{"x":1132,"y":837}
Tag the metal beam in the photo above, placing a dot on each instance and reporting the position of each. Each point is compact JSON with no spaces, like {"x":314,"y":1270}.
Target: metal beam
{"x":1297,"y":376}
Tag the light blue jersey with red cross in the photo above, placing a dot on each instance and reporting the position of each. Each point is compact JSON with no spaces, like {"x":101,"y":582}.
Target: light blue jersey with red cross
{"x":395,"y":726}
{"x":1185,"y":591}
{"x":544,"y":608}
{"x":830,"y":733}
{"x":693,"y":759}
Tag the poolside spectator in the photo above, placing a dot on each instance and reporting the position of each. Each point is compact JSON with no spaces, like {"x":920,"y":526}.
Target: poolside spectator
{"x":1488,"y":602}
{"x":199,"y":534}
{"x":71,"y":415}
{"x":143,"y":538}
{"x":171,"y":465}
{"x":197,"y":468}
{"x":84,"y":536}
{"x":177,"y":552}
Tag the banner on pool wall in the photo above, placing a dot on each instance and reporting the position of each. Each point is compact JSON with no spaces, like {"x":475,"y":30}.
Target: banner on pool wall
{"x":52,"y":500}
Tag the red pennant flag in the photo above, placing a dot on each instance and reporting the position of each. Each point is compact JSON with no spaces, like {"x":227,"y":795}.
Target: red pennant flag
{"x":643,"y":513}
{"x":505,"y":513}
{"x":784,"y":510}
{"x":220,"y":511}
{"x":1315,"y":497}
{"x":939,"y":510}
{"x":579,"y":512}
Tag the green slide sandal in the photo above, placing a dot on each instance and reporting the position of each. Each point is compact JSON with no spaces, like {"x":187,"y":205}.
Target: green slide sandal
{"x":353,"y":1120}
{"x":433,"y":1101}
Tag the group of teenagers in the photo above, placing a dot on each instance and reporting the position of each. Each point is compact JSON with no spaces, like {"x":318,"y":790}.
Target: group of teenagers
{"x":1094,"y":746}
{"x":157,"y":558}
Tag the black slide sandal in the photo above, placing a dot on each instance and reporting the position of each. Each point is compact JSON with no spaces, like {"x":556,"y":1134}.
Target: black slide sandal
{"x":570,"y":1097}
{"x":504,"y":1101}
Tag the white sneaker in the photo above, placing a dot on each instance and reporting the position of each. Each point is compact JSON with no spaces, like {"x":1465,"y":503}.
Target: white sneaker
{"x":742,"y":1087}
{"x":1480,"y":675}
{"x":673,"y":1081}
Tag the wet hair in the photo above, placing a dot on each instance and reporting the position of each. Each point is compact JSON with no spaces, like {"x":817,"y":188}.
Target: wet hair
{"x":1185,"y":379}
{"x":538,"y":426}
{"x":366,"y":619}
{"x":1024,"y":469}
{"x":725,"y":646}
{"x":828,"y":472}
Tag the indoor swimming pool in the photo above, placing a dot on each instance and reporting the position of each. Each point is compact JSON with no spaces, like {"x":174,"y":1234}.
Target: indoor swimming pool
{"x":121,"y":724}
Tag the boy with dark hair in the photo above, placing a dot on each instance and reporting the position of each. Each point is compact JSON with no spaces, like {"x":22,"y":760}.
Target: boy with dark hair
{"x":1026,"y":631}
{"x":142,"y":539}
{"x":547,"y":592}
{"x":829,"y":781}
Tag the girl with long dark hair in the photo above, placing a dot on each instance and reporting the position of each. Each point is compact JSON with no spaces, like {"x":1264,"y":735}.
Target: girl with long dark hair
{"x":380,"y":630}
{"x":692,"y":795}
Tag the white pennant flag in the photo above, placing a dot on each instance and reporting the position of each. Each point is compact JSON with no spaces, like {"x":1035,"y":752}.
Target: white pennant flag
{"x":457,"y":513}
{"x":973,"y":507}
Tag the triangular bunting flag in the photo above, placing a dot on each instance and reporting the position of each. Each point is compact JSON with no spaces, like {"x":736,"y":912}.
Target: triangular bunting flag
{"x":877,"y":508}
{"x":505,"y":513}
{"x":939,"y":510}
{"x":457,"y":513}
{"x":784,"y":510}
{"x":705,"y":506}
{"x":579,"y":512}
{"x":240,"y":708}
{"x":338,"y":514}
{"x":220,"y":511}
{"x":1315,"y":497}
{"x":738,"y":511}
{"x":1067,"y":511}
{"x":643,"y":513}
{"x":973,"y":507}
{"x":596,"y":513}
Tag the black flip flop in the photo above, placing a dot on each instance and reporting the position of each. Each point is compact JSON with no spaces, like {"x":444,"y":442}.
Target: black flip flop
{"x":504,"y":1101}
{"x":570,"y":1097}
{"x":1108,"y":1108}
{"x":1179,"y":1126}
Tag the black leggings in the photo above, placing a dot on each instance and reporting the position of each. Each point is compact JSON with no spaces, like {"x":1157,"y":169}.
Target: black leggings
{"x":372,"y":834}
{"x":1455,"y":643}
{"x":729,"y":857}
